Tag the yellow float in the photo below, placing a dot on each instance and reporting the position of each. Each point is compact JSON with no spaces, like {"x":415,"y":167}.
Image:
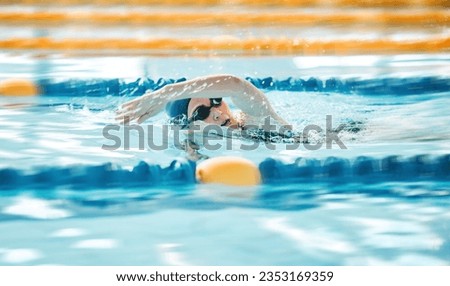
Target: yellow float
{"x":18,"y":87}
{"x":232,"y":171}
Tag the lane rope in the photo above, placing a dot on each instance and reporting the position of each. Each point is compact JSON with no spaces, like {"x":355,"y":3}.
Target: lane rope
{"x":182,"y":172}
{"x":377,"y":86}
{"x":119,"y":87}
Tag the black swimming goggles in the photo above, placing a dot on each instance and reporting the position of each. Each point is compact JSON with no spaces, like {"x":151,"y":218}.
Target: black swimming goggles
{"x":202,"y":112}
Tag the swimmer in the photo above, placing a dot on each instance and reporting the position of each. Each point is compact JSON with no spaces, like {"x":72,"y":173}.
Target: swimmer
{"x":200,"y":99}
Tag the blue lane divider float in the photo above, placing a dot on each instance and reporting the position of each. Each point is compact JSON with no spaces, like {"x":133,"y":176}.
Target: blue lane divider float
{"x":362,"y":169}
{"x":378,"y":86}
{"x":273,"y":171}
{"x":100,"y":176}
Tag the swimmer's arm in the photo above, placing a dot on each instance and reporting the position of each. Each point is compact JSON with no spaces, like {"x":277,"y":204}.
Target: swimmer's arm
{"x":254,"y":102}
{"x":243,"y":94}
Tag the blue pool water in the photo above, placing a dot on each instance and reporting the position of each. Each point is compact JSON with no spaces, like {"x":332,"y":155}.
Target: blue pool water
{"x":345,"y":213}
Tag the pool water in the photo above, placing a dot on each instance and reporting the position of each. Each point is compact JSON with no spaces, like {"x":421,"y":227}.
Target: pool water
{"x":317,"y":222}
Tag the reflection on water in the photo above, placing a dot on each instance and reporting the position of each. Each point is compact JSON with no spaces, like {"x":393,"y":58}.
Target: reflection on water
{"x":311,"y":224}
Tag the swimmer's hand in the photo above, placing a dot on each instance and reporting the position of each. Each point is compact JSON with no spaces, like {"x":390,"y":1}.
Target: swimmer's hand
{"x":141,"y":109}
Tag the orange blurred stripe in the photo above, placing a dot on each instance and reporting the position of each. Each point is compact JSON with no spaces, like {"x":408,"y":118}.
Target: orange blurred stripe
{"x":257,"y":3}
{"x":441,"y":18}
{"x":231,"y":44}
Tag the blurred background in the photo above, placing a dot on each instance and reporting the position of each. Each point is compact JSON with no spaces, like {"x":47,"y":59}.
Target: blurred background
{"x":230,"y":27}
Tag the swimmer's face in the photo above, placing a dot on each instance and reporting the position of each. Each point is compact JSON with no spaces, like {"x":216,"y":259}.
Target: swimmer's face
{"x":219,"y":113}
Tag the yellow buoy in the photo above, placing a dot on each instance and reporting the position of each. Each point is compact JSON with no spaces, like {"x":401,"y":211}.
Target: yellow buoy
{"x":18,"y":87}
{"x":233,"y":171}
